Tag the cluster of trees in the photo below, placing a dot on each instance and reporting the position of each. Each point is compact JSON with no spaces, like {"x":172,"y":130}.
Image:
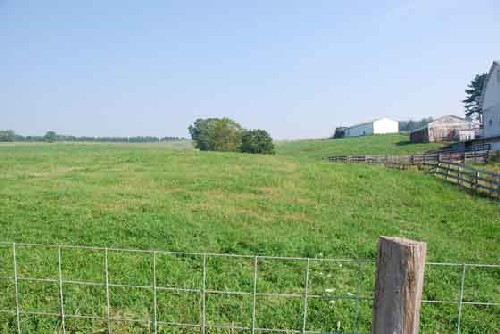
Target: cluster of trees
{"x":7,"y":135}
{"x":52,"y":136}
{"x":226,"y":135}
{"x":413,"y":125}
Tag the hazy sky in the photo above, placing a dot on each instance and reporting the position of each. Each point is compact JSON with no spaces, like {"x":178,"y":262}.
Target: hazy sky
{"x":294,"y":68}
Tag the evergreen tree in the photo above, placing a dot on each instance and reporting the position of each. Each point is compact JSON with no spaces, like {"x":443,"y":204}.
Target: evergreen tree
{"x":472,"y":102}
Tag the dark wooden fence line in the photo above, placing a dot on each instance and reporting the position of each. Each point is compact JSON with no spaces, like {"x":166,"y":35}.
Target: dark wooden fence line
{"x":447,"y":166}
{"x":472,"y":156}
{"x":470,"y":178}
{"x":473,"y":148}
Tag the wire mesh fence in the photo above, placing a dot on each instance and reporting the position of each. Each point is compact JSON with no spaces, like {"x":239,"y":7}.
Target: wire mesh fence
{"x":78,"y":289}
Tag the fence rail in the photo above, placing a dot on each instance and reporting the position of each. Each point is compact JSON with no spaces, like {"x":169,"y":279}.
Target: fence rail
{"x":65,"y":287}
{"x":469,"y":178}
{"x":416,"y":159}
{"x":447,"y":166}
{"x":472,"y":148}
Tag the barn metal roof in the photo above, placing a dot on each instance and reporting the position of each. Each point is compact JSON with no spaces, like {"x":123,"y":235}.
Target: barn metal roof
{"x":443,"y":120}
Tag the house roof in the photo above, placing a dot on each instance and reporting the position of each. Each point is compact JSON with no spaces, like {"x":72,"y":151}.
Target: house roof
{"x":490,"y":72}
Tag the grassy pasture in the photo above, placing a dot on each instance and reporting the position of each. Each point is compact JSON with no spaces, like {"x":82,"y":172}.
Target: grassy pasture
{"x":379,"y":144}
{"x":153,"y":197}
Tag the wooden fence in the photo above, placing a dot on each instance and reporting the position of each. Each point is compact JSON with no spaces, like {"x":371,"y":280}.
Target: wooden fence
{"x":448,"y":166}
{"x":415,"y":159}
{"x":473,"y":148}
{"x":469,"y":178}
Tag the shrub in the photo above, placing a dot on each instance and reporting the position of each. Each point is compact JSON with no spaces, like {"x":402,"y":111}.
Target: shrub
{"x":257,"y":142}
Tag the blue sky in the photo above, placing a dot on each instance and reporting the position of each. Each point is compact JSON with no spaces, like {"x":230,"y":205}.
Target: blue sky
{"x":294,"y":68}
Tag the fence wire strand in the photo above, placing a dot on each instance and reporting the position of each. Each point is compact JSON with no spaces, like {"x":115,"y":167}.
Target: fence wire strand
{"x":16,"y":284}
{"x":254,"y":301}
{"x":155,"y":306}
{"x":461,"y":299}
{"x":306,"y":296}
{"x":61,"y":293}
{"x":108,"y":303}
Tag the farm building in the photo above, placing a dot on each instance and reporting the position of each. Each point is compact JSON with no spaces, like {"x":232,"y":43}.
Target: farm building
{"x":339,"y":132}
{"x":491,"y":102}
{"x":446,"y":128}
{"x":378,"y":126}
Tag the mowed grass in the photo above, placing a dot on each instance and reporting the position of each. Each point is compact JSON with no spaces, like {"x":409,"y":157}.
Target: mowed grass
{"x":152,"y":197}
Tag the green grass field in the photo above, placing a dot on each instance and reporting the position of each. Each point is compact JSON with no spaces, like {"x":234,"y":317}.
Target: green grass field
{"x":379,"y":144}
{"x":291,"y":204}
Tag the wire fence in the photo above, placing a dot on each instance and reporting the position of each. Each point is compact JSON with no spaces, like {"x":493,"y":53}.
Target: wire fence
{"x":74,"y":289}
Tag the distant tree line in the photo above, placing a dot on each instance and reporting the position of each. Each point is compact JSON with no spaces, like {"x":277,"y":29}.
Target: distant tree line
{"x":7,"y":135}
{"x":52,"y":136}
{"x":226,"y":135}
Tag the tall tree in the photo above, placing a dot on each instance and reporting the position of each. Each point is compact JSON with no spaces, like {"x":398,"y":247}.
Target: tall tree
{"x":472,"y":102}
{"x":50,"y":136}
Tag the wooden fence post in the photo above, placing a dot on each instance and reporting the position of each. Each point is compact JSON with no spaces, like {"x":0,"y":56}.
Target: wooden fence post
{"x":476,"y":180}
{"x":459,"y":175}
{"x":398,"y":287}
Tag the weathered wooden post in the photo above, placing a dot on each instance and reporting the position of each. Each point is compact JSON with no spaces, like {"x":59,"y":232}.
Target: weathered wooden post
{"x":476,"y":180}
{"x":399,"y":285}
{"x":459,"y":175}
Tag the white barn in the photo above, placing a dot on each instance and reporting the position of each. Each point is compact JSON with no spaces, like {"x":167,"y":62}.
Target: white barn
{"x":491,"y":102}
{"x":378,"y":126}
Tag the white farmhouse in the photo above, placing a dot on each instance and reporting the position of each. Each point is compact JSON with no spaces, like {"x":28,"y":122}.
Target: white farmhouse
{"x":491,"y":102}
{"x":378,"y":126}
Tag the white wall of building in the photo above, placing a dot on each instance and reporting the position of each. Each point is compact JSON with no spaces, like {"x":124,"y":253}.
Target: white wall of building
{"x":491,"y":103}
{"x":385,"y":125}
{"x":379,"y":126}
